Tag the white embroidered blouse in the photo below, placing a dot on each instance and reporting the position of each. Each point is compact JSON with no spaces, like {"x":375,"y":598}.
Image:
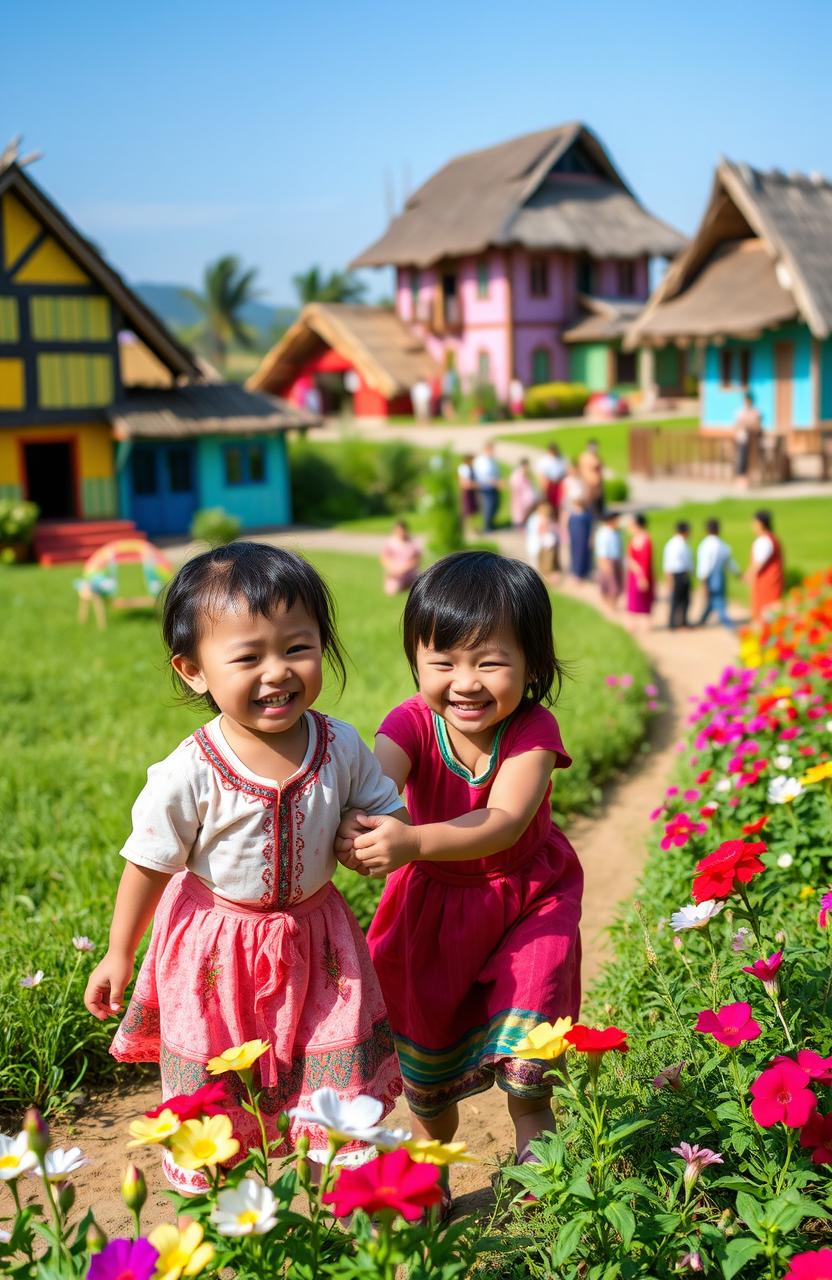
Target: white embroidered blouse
{"x":247,"y":838}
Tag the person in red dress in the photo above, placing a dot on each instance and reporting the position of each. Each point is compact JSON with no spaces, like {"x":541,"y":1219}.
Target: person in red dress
{"x":475,"y":940}
{"x":640,"y":583}
{"x":766,"y":572}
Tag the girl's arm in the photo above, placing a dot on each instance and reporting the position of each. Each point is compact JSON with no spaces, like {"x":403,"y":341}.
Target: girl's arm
{"x":516,"y":795}
{"x":138,"y":896}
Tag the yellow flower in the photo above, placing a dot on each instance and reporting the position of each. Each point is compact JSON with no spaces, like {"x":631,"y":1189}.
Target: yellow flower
{"x":146,"y":1132}
{"x":817,"y":773}
{"x":782,"y":691}
{"x":204,"y":1142}
{"x":241,"y":1058}
{"x":545,"y":1041}
{"x":181,"y":1253}
{"x":432,"y":1151}
{"x":806,"y":892}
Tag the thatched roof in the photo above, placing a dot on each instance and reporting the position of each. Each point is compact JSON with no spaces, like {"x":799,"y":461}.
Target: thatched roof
{"x":375,"y":341}
{"x":527,"y":192}
{"x":720,"y":287}
{"x":608,"y":319}
{"x":213,"y":409}
{"x":145,"y":323}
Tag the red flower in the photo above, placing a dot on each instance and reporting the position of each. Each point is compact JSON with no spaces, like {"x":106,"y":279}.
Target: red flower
{"x":816,"y":1265}
{"x":680,"y":829}
{"x":765,"y":970}
{"x":734,"y":861}
{"x":391,"y":1182}
{"x":703,"y":777}
{"x":210,"y":1100}
{"x":782,"y":1096}
{"x":817,"y":1134}
{"x":594,"y":1040}
{"x":751,"y":828}
{"x":731,"y":1025}
{"x":817,"y":1068}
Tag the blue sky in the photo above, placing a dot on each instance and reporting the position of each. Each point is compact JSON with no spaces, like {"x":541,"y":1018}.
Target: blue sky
{"x":174,"y":132}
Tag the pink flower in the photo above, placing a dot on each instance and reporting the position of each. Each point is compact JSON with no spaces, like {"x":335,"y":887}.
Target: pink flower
{"x":651,"y":690}
{"x":679,"y":830}
{"x":817,"y":1134}
{"x":816,"y":1265}
{"x":657,"y":813}
{"x":786,"y":735}
{"x":611,"y":680}
{"x":825,"y":908}
{"x":391,"y":1182}
{"x":766,"y":970}
{"x":692,"y":793}
{"x":696,"y":1159}
{"x":816,"y":1067}
{"x":626,"y":680}
{"x":671,"y":792}
{"x":731,"y":1025}
{"x":782,"y":1096}
{"x":652,"y":705}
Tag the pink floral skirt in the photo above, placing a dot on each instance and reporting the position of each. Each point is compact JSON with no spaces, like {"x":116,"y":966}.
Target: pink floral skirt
{"x":218,"y":973}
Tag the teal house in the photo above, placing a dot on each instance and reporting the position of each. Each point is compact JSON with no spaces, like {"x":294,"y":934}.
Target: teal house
{"x":751,"y":296}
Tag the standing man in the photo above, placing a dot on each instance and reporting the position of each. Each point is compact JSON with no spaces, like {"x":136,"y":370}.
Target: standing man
{"x":591,"y":468}
{"x":489,"y":484}
{"x":677,"y":563}
{"x":714,"y":559}
{"x":747,"y":428}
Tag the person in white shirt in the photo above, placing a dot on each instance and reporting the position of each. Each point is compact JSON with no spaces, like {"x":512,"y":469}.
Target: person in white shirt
{"x":609,"y":557}
{"x":542,"y":540}
{"x":714,"y":560}
{"x":550,"y":469}
{"x":677,"y":563}
{"x":420,"y":397}
{"x":489,"y":484}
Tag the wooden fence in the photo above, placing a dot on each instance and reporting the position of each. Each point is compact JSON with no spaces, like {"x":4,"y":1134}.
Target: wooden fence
{"x":657,"y":452}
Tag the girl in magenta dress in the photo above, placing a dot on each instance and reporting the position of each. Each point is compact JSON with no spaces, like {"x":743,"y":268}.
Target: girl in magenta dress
{"x":475,"y":940}
{"x":231,"y":855}
{"x":640,"y":585}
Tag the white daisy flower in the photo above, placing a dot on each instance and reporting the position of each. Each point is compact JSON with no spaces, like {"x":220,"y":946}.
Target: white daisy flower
{"x":347,"y":1119}
{"x":695,"y":916}
{"x":249,"y":1209}
{"x":782,"y":762}
{"x":15,"y":1157}
{"x":785,"y":860}
{"x":61,"y":1163}
{"x":83,"y":943}
{"x":724,"y":784}
{"x":782,"y":790}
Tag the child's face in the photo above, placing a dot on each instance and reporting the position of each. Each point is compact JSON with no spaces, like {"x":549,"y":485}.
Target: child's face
{"x":473,"y":689}
{"x":262,"y":672}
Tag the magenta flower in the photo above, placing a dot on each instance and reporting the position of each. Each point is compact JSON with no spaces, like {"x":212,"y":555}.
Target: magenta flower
{"x":611,"y":680}
{"x":825,"y":908}
{"x":124,"y":1260}
{"x":782,"y":1096}
{"x":692,"y":793}
{"x":816,"y":1067}
{"x":696,"y":1159}
{"x":626,"y":680}
{"x":766,"y":971}
{"x":731,"y":1025}
{"x":679,"y":830}
{"x":651,"y":690}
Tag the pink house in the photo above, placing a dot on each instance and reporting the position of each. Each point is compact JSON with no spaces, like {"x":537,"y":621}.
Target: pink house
{"x":503,"y":251}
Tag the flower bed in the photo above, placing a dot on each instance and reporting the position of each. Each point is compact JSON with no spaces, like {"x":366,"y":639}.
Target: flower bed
{"x":707,"y":1148}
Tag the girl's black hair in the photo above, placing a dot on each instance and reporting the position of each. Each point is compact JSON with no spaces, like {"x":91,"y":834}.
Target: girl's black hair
{"x":465,"y":598}
{"x":263,"y":577}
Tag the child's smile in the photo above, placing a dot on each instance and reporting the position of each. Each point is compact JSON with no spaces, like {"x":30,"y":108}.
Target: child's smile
{"x":474,"y":689}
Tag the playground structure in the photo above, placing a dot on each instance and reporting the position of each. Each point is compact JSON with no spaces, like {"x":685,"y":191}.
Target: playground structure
{"x":100,"y":578}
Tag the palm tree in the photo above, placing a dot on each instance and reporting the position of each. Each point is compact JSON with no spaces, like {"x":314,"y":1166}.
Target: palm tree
{"x":227,"y":289}
{"x":338,"y":286}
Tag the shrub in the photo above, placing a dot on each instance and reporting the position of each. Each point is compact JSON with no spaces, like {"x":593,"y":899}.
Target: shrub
{"x":17,"y":520}
{"x":215,"y":526}
{"x":352,"y":478}
{"x":616,"y":489}
{"x":442,"y":503}
{"x":555,"y":400}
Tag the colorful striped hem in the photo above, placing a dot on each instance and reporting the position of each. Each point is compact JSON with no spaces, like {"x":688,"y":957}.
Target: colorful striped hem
{"x":497,"y":1038}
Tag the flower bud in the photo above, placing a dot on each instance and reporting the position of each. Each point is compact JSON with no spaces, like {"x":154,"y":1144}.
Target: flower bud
{"x":133,"y":1188}
{"x":302,"y":1146}
{"x":66,"y":1197}
{"x":37,"y":1132}
{"x":95,"y":1238}
{"x":283,"y":1123}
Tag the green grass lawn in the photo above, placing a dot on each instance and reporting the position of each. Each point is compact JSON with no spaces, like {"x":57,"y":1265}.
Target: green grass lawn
{"x":612,"y":437}
{"x":86,"y":712}
{"x":804,"y":525}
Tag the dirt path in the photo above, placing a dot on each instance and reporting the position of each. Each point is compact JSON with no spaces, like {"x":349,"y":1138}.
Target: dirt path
{"x":611,"y":847}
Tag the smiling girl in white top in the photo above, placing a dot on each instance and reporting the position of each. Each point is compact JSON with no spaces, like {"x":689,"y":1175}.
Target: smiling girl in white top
{"x":231,"y":855}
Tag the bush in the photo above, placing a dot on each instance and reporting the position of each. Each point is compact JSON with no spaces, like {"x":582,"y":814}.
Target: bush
{"x":480,"y":404}
{"x":442,"y":504}
{"x":17,"y":520}
{"x":616,"y":489}
{"x":555,"y":400}
{"x":215,"y":526}
{"x":352,"y":478}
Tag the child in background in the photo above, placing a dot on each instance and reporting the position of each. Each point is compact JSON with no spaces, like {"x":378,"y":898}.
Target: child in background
{"x":231,"y":855}
{"x":475,"y":939}
{"x":542,"y":540}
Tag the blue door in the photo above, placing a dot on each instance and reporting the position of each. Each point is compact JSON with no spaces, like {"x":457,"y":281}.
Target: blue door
{"x":163,"y":492}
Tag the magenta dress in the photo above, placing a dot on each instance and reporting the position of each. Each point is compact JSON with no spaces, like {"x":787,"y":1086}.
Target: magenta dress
{"x":472,"y":955}
{"x":640,"y":599}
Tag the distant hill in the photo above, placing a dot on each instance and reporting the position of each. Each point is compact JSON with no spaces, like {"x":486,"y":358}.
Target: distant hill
{"x":177,"y":313}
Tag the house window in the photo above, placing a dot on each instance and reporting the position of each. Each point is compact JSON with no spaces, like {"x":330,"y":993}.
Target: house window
{"x":179,"y":470}
{"x":74,"y":381}
{"x":69,"y":318}
{"x":626,"y":370}
{"x":483,"y":366}
{"x":539,"y":278}
{"x":143,"y":467}
{"x":8,"y":320}
{"x":541,"y":365}
{"x":482,"y":278}
{"x":626,"y":279}
{"x":735,"y":367}
{"x":245,"y":464}
{"x":585,"y":274}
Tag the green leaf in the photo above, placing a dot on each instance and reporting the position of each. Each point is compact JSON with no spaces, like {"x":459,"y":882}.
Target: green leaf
{"x":621,"y":1131}
{"x":580,"y":1188}
{"x":567,"y":1240}
{"x":738,"y":1253}
{"x":620,"y":1216}
{"x":751,"y":1212}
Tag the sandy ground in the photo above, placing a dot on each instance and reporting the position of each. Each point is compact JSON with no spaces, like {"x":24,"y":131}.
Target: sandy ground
{"x":611,"y":846}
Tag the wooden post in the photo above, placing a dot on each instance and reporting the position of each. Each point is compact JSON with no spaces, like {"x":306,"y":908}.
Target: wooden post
{"x":815,"y":383}
{"x":507,"y":262}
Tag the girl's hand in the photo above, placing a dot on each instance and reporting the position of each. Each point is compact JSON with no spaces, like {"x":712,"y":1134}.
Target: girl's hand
{"x":353,"y":823}
{"x":386,"y":845}
{"x":107,"y":983}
